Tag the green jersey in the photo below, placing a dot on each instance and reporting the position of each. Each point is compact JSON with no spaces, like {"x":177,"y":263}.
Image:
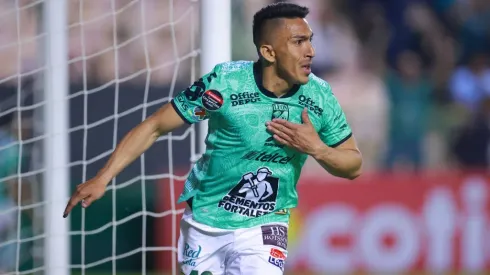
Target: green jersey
{"x":245,"y":178}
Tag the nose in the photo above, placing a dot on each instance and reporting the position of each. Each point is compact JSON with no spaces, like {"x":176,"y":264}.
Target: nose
{"x":311,"y":51}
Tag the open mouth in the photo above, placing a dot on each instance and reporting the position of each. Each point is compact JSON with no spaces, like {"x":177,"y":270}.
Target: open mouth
{"x":306,"y":68}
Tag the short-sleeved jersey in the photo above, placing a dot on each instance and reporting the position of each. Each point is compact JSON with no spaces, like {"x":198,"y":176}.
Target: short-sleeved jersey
{"x":245,"y":178}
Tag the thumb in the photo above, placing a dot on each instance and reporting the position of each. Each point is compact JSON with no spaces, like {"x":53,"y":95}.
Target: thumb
{"x":305,"y":117}
{"x":87,"y":201}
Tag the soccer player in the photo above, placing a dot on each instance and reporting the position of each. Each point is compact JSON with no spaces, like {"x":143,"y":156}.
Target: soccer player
{"x":265,"y":118}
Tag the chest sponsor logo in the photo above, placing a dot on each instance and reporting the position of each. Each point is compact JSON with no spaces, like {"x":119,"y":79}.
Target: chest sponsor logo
{"x":244,"y":98}
{"x":310,"y":104}
{"x":254,"y":195}
{"x":268,"y":157}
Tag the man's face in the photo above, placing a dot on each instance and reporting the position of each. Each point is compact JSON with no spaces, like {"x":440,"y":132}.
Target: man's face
{"x":294,"y":51}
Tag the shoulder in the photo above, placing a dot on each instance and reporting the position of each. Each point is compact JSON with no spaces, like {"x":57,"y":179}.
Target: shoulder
{"x":230,"y":75}
{"x":319,"y":88}
{"x":233,"y":68}
{"x":319,"y":92}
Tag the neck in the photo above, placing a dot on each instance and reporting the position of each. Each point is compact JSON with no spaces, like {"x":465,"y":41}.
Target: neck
{"x":273,"y":82}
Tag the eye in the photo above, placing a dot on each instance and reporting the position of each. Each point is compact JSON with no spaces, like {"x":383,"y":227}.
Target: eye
{"x":298,"y":42}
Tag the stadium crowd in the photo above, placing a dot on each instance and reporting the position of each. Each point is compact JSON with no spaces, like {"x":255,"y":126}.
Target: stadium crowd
{"x":412,"y":76}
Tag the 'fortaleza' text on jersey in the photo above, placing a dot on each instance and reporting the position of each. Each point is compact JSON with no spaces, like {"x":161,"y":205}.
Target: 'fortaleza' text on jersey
{"x":245,"y":178}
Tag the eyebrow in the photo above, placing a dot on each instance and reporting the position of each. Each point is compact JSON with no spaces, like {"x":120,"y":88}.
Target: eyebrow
{"x":302,"y":36}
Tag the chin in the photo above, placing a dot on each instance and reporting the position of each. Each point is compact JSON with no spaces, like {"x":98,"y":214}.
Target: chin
{"x":303,"y":80}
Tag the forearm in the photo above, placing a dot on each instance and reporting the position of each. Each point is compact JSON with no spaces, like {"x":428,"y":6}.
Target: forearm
{"x":135,"y":143}
{"x":139,"y":139}
{"x":345,"y":163}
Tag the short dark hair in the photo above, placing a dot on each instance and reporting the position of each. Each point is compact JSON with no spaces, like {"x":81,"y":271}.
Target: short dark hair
{"x":274,"y":11}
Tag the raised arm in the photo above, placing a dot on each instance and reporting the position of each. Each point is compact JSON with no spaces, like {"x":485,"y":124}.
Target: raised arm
{"x":135,"y":143}
{"x":139,"y":139}
{"x":186,"y":107}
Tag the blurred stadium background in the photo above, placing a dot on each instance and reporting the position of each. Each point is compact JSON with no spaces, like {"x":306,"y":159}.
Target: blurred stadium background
{"x":413,"y":77}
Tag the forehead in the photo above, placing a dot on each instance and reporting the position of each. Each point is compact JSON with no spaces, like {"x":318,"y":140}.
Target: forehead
{"x":296,"y":26}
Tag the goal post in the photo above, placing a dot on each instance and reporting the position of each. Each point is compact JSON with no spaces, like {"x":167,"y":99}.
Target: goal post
{"x":56,"y":143}
{"x":215,"y":47}
{"x":215,"y":44}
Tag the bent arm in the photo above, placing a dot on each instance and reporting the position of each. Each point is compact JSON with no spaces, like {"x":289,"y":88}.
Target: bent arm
{"x":139,"y":139}
{"x":343,"y":161}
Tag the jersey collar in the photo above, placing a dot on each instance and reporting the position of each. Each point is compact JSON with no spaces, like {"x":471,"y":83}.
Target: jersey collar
{"x":258,"y":81}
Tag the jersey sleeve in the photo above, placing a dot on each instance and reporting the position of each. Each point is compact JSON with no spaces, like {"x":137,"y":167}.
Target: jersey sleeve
{"x":194,"y":103}
{"x":336,"y":129}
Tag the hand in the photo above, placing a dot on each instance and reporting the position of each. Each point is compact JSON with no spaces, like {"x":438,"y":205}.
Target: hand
{"x":302,"y":137}
{"x":86,"y":192}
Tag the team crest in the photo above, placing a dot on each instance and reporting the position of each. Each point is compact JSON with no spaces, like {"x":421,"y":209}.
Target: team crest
{"x":280,"y":111}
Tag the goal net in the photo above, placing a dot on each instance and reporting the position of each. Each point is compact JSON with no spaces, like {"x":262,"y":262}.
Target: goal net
{"x":125,"y":59}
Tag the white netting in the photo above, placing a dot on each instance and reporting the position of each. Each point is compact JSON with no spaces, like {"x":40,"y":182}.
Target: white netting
{"x":126,"y":59}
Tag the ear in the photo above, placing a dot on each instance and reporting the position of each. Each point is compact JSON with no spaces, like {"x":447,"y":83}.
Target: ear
{"x":268,"y":53}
